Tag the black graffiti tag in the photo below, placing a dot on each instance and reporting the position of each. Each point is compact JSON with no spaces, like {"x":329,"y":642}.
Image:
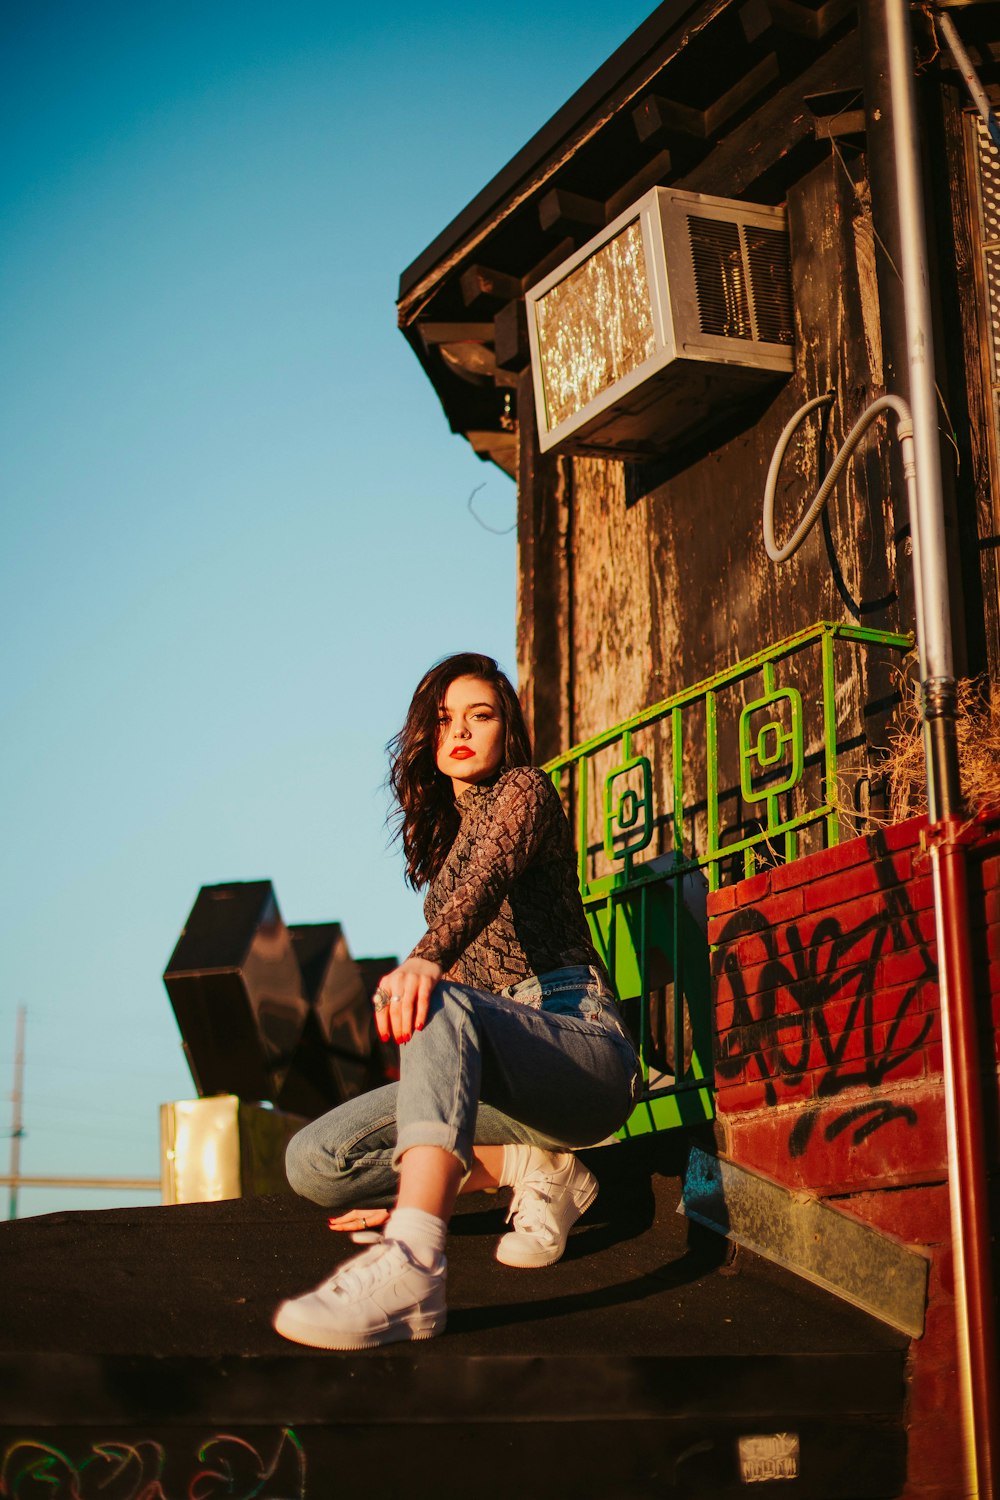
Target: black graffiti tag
{"x":813,"y":975}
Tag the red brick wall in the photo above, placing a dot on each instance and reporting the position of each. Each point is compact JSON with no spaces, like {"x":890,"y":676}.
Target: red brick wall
{"x":828,"y":1062}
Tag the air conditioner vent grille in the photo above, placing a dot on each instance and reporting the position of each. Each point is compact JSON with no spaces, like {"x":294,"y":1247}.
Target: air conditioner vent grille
{"x":770,"y":283}
{"x":648,"y":334}
{"x":719,"y":277}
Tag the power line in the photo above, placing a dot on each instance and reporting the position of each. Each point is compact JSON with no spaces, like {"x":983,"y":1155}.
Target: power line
{"x":14,"y":1178}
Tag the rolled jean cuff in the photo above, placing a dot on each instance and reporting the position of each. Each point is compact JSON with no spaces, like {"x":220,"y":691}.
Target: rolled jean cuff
{"x":434,"y":1133}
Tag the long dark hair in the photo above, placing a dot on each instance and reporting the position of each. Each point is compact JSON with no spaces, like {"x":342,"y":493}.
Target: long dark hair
{"x":427,"y":815}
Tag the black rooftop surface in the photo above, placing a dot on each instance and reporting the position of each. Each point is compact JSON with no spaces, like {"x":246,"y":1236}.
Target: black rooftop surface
{"x":137,"y":1362}
{"x":201,"y":1280}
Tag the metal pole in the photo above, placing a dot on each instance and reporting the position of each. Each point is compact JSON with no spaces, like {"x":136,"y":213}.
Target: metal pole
{"x":974,"y":1311}
{"x":933,"y":619}
{"x":971,"y":78}
{"x":17,"y":1127}
{"x":967,"y":1166}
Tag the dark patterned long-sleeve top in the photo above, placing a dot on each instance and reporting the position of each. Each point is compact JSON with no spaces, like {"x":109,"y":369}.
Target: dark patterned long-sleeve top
{"x":506,"y":904}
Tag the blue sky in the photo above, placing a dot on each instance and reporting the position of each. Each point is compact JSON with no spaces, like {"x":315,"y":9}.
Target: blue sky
{"x":235,"y":523}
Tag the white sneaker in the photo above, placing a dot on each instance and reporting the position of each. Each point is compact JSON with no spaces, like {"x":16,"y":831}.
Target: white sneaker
{"x":547,"y":1202}
{"x":379,"y":1297}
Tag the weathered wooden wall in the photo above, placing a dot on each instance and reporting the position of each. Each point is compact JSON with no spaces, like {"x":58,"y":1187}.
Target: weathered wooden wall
{"x":677,"y":585}
{"x":640,"y":580}
{"x":637,"y":582}
{"x":973,"y":462}
{"x":545,"y":666}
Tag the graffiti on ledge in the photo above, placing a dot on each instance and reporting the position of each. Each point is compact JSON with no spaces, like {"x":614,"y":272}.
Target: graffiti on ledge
{"x":223,"y":1466}
{"x":780,"y":1043}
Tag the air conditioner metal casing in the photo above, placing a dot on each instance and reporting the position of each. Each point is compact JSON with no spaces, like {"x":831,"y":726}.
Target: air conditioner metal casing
{"x":678,"y":309}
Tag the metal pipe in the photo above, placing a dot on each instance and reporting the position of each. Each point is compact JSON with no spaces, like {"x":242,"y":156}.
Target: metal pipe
{"x":933,"y":620}
{"x":963,"y":63}
{"x":963,"y":1108}
{"x":967,"y":1175}
{"x":880,"y":159}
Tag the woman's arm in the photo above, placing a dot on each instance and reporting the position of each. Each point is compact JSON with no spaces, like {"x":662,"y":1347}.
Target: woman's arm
{"x":520,"y":817}
{"x":525,"y":808}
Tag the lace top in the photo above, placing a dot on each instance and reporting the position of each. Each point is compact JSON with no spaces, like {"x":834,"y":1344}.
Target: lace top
{"x":506,"y":904}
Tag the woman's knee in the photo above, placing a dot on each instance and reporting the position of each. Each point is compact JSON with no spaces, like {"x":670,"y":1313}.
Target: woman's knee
{"x":305,"y":1167}
{"x":453,"y":998}
{"x":321,"y":1166}
{"x":314,"y":1171}
{"x":450,"y":1015}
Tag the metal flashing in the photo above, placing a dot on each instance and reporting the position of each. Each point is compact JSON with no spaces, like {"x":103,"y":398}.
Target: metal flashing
{"x":818,"y":1242}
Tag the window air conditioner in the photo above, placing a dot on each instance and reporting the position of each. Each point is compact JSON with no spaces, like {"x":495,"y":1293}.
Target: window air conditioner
{"x":679,"y":308}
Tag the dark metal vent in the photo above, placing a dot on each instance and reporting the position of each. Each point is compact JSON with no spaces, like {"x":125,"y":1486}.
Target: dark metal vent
{"x":719,"y":278}
{"x":770,"y":283}
{"x":742,"y":280}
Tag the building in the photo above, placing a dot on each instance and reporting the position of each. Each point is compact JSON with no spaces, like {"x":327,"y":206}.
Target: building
{"x":719,"y":723}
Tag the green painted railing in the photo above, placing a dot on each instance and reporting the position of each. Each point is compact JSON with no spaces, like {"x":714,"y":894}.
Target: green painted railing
{"x":741,"y":769}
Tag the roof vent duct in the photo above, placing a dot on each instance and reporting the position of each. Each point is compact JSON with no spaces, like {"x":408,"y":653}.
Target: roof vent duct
{"x":650,"y":332}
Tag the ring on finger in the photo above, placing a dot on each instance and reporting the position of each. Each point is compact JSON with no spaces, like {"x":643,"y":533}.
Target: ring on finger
{"x":380,"y":1000}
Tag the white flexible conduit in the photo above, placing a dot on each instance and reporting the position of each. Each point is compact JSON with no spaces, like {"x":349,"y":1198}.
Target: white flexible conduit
{"x":904,"y":430}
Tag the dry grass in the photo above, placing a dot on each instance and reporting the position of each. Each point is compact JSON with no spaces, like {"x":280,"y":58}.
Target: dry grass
{"x":978,"y":727}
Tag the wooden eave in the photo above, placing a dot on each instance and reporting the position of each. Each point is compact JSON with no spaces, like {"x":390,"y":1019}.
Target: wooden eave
{"x":734,"y":97}
{"x":557,"y":140}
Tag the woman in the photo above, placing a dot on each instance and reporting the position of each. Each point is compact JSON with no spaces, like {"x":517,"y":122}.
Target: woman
{"x":510,"y":1046}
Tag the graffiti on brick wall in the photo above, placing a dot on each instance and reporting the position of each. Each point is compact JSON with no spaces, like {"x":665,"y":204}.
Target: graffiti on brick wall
{"x":782,"y":1029}
{"x":222,"y":1466}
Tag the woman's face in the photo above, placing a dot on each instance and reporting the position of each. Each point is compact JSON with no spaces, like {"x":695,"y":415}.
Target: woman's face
{"x":471,"y":733}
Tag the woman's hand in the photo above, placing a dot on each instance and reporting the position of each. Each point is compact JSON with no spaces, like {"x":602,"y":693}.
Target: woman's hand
{"x":408,"y":990}
{"x":358,"y":1219}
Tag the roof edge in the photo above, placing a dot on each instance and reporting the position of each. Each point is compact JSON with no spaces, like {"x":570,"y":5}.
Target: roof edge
{"x":610,"y":75}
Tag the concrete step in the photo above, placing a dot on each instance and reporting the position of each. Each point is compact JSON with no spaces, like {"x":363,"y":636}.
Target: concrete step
{"x":136,"y":1352}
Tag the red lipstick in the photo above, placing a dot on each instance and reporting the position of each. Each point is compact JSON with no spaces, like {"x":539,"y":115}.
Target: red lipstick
{"x":461,"y":752}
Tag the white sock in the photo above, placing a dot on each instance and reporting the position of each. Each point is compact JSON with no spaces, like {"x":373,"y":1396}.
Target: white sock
{"x":519,"y":1160}
{"x":423,"y":1234}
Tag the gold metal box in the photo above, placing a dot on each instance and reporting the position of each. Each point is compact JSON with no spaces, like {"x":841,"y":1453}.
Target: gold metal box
{"x":220,"y":1147}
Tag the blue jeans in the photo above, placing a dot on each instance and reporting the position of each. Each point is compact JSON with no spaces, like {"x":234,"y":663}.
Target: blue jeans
{"x":552,"y":1067}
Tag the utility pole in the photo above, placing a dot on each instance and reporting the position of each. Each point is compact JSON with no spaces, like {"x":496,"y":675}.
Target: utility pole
{"x":889,"y":26}
{"x":17,"y":1127}
{"x":13,"y":1179}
